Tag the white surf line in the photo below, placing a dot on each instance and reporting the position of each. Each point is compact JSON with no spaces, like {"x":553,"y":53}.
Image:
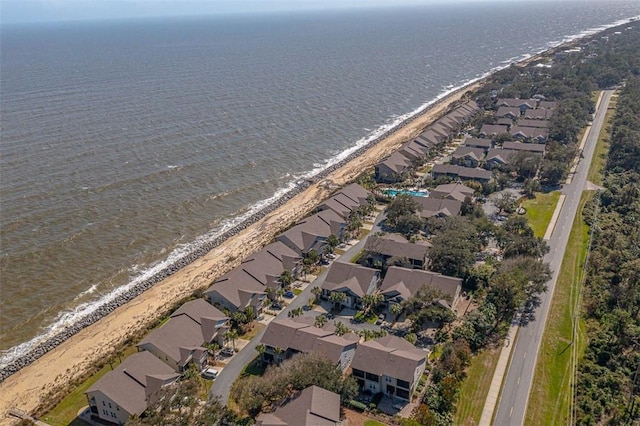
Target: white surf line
{"x":554,"y":218}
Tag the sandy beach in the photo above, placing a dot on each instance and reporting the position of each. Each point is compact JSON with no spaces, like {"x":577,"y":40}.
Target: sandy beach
{"x":73,"y":358}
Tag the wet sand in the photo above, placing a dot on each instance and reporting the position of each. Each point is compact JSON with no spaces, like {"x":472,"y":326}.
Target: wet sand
{"x":75,"y":356}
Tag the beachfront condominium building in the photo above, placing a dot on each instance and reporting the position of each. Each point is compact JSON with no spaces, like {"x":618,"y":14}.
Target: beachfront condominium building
{"x":380,"y":248}
{"x":129,"y":388}
{"x":181,"y":340}
{"x":390,"y":365}
{"x":313,"y":232}
{"x":247,"y":285}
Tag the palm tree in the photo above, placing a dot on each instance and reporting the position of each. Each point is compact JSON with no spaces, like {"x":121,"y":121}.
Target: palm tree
{"x":333,"y":242}
{"x":316,"y":291}
{"x":371,"y":301}
{"x":337,"y":298}
{"x":286,"y":279}
{"x":260,"y":349}
{"x":231,"y":335}
{"x":320,"y":321}
{"x":296,"y":312}
{"x":396,"y":309}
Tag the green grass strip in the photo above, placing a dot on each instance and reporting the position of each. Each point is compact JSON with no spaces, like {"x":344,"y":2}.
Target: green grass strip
{"x":540,"y":210}
{"x":550,"y":397}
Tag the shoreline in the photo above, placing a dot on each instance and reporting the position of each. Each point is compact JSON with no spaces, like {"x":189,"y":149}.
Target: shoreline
{"x":67,"y":356}
{"x":71,"y":353}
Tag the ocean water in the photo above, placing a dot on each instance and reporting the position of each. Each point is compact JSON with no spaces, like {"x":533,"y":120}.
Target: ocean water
{"x":125,"y":144}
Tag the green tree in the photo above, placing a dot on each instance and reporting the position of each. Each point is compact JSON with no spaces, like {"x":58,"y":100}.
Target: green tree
{"x":231,"y":335}
{"x":286,"y":279}
{"x":337,"y":298}
{"x":402,"y":205}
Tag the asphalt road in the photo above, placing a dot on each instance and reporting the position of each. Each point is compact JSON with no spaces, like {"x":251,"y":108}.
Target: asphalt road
{"x":222,"y":385}
{"x":517,"y":384}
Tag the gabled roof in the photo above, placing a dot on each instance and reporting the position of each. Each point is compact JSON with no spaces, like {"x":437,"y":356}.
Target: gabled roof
{"x":132,"y":382}
{"x":397,"y":163}
{"x":529,"y":132}
{"x":442,"y":207}
{"x":314,"y":406}
{"x":177,"y":333}
{"x":205,"y":314}
{"x":502,"y":156}
{"x":519,"y":146}
{"x":461,"y":172}
{"x":301,"y":335}
{"x":390,"y":356}
{"x":322,"y":224}
{"x":547,"y":105}
{"x":538,"y":114}
{"x":478,"y":142}
{"x":493,"y":129}
{"x":402,"y":283}
{"x":544,"y":124}
{"x":514,"y":102}
{"x":396,"y":245}
{"x":440,"y":129}
{"x":454,"y":191}
{"x":237,"y":287}
{"x":356,"y":193}
{"x":505,"y":111}
{"x":348,"y":276}
{"x":466,"y":151}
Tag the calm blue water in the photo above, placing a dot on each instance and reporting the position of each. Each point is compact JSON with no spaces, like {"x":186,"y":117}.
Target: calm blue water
{"x":125,"y":143}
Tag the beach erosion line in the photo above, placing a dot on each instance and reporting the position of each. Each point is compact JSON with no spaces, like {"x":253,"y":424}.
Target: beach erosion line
{"x":18,"y":357}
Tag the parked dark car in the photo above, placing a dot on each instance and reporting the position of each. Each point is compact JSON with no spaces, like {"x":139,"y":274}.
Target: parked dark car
{"x":289,"y":295}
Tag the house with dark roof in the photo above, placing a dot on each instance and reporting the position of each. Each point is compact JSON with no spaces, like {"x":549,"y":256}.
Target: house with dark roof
{"x":181,"y":339}
{"x":492,"y":130}
{"x":459,"y":172}
{"x":538,"y":114}
{"x":484,"y":144}
{"x":286,"y":337}
{"x":390,"y":365}
{"x":314,"y":406}
{"x":543,"y":124}
{"x":393,"y":169}
{"x":522,"y":104}
{"x":381,"y":248}
{"x":504,"y":121}
{"x":508,"y":112}
{"x":129,"y":388}
{"x":414,"y":150}
{"x":498,"y":158}
{"x":537,"y":134}
{"x":452,"y":191}
{"x":437,"y":207}
{"x":467,"y":156}
{"x":353,"y":280}
{"x":347,"y":200}
{"x":401,"y":284}
{"x":430,"y":137}
{"x":312,"y":232}
{"x":527,"y":147}
{"x":247,"y":284}
{"x":550,"y":105}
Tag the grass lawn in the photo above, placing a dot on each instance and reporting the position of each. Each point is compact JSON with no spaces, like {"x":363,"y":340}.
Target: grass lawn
{"x":540,"y":210}
{"x":357,"y":256}
{"x":257,"y":327}
{"x":373,"y":423}
{"x":64,"y":413}
{"x":475,"y":387}
{"x":600,"y":153}
{"x":551,"y":388}
{"x":296,"y":291}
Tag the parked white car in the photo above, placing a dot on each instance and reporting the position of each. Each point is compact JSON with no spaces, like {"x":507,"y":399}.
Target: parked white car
{"x":210,"y":373}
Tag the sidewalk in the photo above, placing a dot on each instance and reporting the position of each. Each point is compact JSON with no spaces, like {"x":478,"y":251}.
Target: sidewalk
{"x":498,"y":375}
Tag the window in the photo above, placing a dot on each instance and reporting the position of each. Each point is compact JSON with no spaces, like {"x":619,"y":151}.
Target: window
{"x":103,"y":404}
{"x":109,"y":405}
{"x":403,"y":384}
{"x":358,"y":373}
{"x":373,"y":377}
{"x":105,"y":412}
{"x":401,"y":393}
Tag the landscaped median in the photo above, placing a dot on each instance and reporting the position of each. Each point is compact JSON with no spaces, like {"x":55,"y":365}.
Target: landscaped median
{"x":550,"y":398}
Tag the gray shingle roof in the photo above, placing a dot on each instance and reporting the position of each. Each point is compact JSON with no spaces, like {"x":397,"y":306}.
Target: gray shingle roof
{"x":402,"y":283}
{"x":128,"y":385}
{"x":314,"y":406}
{"x":387,"y":245}
{"x":391,"y":356}
{"x":350,"y":276}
